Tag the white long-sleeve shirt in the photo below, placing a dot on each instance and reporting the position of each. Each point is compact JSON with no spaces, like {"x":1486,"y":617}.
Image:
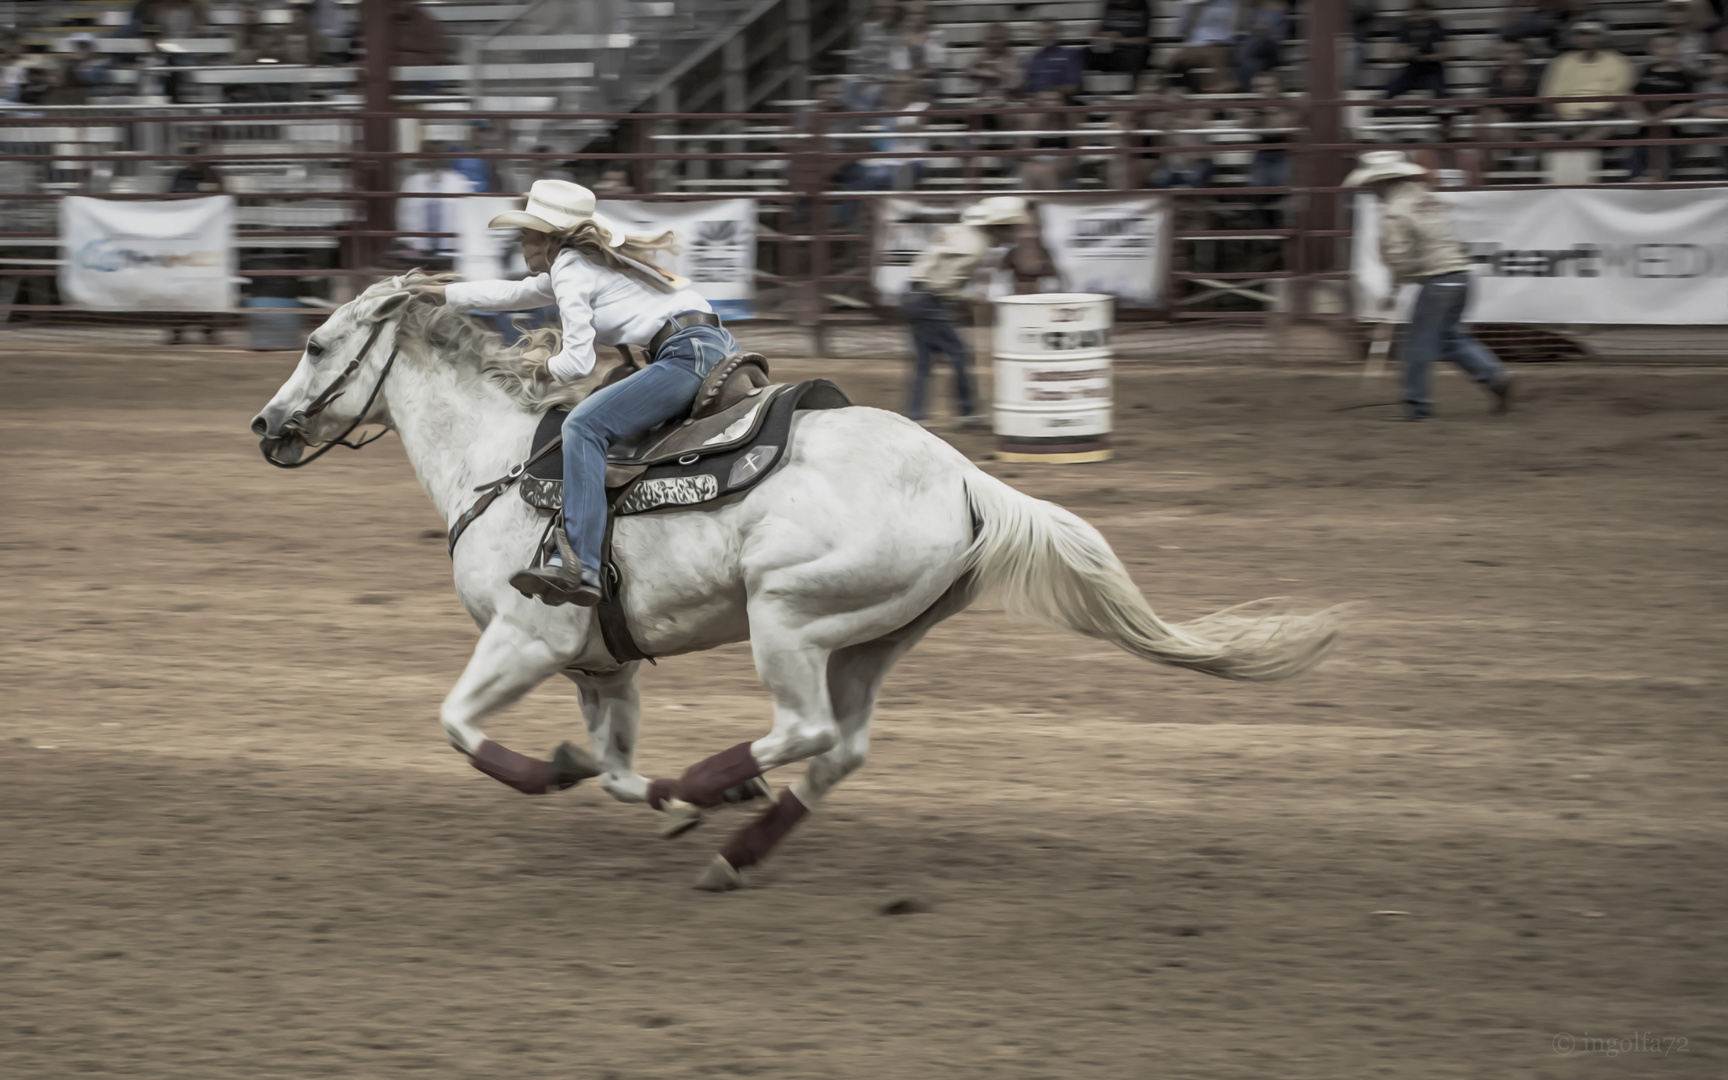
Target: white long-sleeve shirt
{"x":595,"y":303}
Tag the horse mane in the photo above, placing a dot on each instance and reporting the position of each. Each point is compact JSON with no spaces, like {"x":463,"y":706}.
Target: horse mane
{"x":458,"y":338}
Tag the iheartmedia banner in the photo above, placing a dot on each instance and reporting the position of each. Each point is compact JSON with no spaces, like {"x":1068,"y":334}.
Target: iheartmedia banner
{"x":1576,"y":255}
{"x":1112,"y":246}
{"x":173,"y":255}
{"x":717,"y":242}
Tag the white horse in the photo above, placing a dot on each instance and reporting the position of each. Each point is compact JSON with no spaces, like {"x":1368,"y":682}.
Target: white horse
{"x":832,"y":568}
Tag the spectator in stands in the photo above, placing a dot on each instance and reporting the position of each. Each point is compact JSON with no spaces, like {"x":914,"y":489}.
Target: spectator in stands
{"x":431,"y":177}
{"x":1269,"y":168}
{"x":938,"y":286}
{"x":921,"y":52}
{"x":1715,"y":83}
{"x":180,"y":19}
{"x":1047,"y":172}
{"x":614,"y":183}
{"x":332,"y":26}
{"x":1545,"y":20}
{"x":1133,"y":169}
{"x":1587,"y":70}
{"x":1715,"y":107}
{"x":13,"y":70}
{"x":1515,"y":76}
{"x":877,"y":37}
{"x":39,"y":81}
{"x":995,"y":72}
{"x":1363,"y":15}
{"x":1124,"y":39}
{"x":278,"y":44}
{"x":1664,"y":74}
{"x":89,"y":68}
{"x":416,"y":38}
{"x":1421,"y":45}
{"x":1268,"y":26}
{"x":1052,"y":66}
{"x":1210,"y":30}
{"x":480,"y":170}
{"x":1691,"y":22}
{"x":1183,"y":125}
{"x":905,"y":97}
{"x":197,"y":176}
{"x":548,"y":169}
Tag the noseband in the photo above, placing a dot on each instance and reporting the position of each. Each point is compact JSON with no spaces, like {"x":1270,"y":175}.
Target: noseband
{"x":296,"y":424}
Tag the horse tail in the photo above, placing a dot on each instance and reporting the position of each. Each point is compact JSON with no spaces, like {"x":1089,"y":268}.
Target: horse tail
{"x":1041,"y":561}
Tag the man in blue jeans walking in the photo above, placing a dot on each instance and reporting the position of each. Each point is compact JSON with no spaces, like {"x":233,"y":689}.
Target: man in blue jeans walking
{"x":936,"y":288}
{"x":1418,"y":245}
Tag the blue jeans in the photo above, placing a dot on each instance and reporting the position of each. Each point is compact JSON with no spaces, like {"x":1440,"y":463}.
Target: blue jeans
{"x":1436,"y":333}
{"x":933,"y":331}
{"x":660,"y":392}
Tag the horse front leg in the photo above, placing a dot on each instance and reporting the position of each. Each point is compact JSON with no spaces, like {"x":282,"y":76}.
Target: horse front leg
{"x":508,"y":662}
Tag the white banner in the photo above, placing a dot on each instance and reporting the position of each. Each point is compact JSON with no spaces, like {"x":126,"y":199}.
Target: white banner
{"x":1576,"y":255}
{"x":1114,"y":246}
{"x":173,"y":255}
{"x":717,"y":242}
{"x":1100,"y":245}
{"x":484,"y":253}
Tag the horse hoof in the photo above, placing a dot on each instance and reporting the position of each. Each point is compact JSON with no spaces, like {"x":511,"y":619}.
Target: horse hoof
{"x":571,"y":765}
{"x":719,"y":876}
{"x":681,"y":817}
{"x":754,"y":788}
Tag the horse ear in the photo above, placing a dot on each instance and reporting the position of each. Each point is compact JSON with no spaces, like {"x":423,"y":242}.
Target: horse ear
{"x":390,"y":305}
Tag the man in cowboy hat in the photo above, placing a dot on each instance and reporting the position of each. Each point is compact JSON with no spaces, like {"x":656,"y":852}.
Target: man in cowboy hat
{"x":1418,"y":245}
{"x":937,"y":286}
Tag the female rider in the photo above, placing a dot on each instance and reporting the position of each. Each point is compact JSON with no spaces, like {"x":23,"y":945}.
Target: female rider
{"x":607,"y":291}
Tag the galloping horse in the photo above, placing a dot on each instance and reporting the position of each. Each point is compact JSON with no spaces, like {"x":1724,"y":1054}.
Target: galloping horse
{"x":833,"y":567}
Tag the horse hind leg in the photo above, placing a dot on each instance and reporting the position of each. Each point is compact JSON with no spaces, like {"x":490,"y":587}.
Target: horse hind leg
{"x":855,"y":677}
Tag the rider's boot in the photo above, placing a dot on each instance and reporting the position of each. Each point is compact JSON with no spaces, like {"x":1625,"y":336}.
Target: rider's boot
{"x":569,"y":582}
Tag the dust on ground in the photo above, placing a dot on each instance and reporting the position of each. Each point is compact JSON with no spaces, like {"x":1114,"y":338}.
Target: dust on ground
{"x":237,"y":846}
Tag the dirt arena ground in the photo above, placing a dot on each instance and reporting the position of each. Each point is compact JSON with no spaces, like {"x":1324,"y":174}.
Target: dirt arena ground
{"x":1481,"y":841}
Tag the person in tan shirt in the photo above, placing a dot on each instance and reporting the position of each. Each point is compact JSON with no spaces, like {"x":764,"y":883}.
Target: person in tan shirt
{"x":1588,"y":69}
{"x":1418,"y":245}
{"x":936,"y":288}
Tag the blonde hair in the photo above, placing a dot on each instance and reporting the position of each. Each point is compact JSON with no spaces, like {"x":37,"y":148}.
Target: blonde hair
{"x":590,"y":239}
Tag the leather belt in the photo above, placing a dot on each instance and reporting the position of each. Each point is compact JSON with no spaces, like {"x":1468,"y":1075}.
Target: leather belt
{"x":681,"y":321}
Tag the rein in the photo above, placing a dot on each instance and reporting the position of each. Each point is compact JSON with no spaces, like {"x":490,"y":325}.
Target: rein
{"x":496,"y":488}
{"x":296,"y":422}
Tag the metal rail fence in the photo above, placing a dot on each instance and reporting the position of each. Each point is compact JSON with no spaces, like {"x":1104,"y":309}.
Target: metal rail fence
{"x":317,"y":186}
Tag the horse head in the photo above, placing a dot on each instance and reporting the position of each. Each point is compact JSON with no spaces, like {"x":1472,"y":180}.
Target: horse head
{"x":334,"y":388}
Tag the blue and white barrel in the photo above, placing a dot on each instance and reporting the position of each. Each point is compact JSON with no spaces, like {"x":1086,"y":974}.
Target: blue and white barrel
{"x":1053,"y":381}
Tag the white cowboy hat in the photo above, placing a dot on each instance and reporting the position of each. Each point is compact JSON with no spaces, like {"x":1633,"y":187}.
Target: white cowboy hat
{"x":997,"y":210}
{"x":1383,"y":165}
{"x":556,"y":205}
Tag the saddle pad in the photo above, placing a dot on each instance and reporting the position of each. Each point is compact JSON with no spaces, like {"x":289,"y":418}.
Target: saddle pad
{"x":701,"y":474}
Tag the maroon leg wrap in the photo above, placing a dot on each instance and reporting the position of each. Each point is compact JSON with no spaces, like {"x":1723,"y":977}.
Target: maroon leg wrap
{"x":528,"y":775}
{"x":705,"y":782}
{"x":661,"y":790}
{"x":754,"y":841}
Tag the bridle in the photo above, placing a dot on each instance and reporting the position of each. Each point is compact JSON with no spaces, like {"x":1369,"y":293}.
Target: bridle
{"x":296,"y":424}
